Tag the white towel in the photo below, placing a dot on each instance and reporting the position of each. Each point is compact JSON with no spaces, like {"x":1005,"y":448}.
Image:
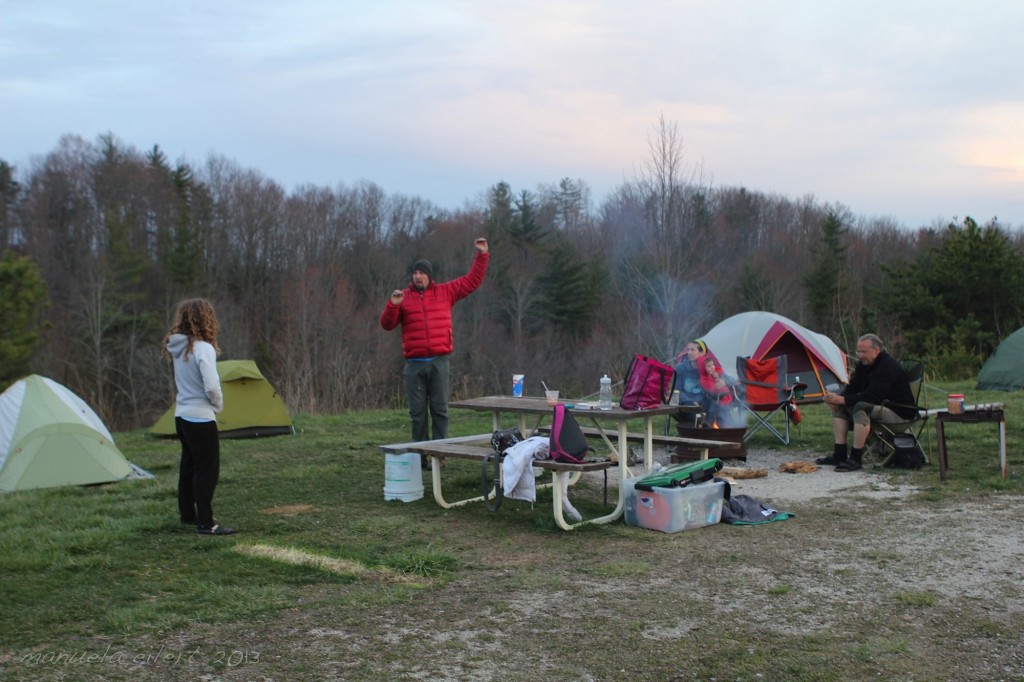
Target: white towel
{"x":519,"y":483}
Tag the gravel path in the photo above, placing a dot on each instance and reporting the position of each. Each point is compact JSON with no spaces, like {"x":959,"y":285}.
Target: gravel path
{"x":785,"y":488}
{"x":779,"y":488}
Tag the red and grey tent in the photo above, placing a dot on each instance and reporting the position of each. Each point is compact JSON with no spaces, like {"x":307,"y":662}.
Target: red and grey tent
{"x":759,"y":335}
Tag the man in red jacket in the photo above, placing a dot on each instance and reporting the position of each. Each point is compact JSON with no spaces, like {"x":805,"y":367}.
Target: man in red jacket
{"x":424,"y":309}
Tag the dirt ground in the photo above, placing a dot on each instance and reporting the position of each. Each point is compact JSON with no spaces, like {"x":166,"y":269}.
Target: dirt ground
{"x":825,"y":486}
{"x":869,"y":581}
{"x":882,"y":585}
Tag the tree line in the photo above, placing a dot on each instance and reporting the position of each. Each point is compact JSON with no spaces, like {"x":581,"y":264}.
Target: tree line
{"x":100,"y":240}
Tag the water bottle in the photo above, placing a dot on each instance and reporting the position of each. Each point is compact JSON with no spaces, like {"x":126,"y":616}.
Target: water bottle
{"x":606,"y":393}
{"x":798,"y":392}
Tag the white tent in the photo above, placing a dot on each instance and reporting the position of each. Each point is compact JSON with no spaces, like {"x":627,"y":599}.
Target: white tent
{"x":50,"y":437}
{"x":813,"y":357}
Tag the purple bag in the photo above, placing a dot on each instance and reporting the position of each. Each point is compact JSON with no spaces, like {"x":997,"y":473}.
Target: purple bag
{"x":648,"y":384}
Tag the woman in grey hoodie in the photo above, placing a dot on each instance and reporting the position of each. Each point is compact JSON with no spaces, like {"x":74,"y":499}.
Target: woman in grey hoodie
{"x":192,"y":345}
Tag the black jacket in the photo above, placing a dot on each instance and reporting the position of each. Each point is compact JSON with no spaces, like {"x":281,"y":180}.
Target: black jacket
{"x":882,"y":380}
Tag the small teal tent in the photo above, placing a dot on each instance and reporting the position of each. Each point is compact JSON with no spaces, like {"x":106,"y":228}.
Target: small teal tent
{"x":1004,"y":369}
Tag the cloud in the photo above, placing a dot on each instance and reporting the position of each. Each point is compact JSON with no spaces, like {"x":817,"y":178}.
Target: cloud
{"x":858,"y":103}
{"x":991,"y":140}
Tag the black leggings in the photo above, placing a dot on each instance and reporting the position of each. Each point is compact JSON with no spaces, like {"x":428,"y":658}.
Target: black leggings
{"x":200,"y":469}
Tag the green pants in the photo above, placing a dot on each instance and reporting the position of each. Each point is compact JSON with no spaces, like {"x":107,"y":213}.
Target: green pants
{"x":426,"y":386}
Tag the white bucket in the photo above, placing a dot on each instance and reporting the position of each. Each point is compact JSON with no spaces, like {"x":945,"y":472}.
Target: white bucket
{"x":403,"y":478}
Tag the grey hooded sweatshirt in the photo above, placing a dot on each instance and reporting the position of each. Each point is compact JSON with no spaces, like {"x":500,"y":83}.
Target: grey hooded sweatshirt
{"x":195,"y":375}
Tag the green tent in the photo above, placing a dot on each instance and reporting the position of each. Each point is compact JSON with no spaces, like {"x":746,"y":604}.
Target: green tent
{"x":1004,"y":369}
{"x":252,"y":407}
{"x":49,"y":437}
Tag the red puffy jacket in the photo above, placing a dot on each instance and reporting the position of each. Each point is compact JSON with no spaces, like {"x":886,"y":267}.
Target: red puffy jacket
{"x":426,"y":316}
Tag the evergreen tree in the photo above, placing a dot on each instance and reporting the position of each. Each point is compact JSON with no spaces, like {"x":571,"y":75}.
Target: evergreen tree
{"x":753,"y":290}
{"x":186,"y":251}
{"x":500,"y":212}
{"x":825,"y":282}
{"x":964,"y":291}
{"x":22,"y":296}
{"x":571,"y":205}
{"x":570,"y":288}
{"x":515,"y":262}
{"x":977,"y":271}
{"x":9,"y":192}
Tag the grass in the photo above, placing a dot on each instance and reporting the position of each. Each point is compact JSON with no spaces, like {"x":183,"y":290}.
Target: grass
{"x":108,"y":568}
{"x":921,"y":599}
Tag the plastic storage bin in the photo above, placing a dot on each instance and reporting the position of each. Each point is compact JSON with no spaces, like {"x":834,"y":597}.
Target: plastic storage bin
{"x":671,"y":510}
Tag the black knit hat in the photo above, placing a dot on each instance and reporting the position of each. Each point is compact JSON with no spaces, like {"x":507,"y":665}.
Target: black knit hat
{"x":423,"y":265}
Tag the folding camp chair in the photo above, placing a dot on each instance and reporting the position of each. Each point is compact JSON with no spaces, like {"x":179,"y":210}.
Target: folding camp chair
{"x":882,"y":434}
{"x":762,"y":391}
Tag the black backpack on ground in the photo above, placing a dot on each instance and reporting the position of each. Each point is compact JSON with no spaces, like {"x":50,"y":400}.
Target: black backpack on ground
{"x":909,"y":454}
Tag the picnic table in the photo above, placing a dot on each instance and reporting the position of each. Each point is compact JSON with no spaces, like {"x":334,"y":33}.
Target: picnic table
{"x":477,"y":447}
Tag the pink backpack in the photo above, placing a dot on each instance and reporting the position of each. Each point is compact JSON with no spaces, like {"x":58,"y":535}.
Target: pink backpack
{"x":648,"y":384}
{"x":567,"y":442}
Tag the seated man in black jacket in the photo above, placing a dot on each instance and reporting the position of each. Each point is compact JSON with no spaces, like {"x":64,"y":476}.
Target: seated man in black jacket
{"x":876,"y":378}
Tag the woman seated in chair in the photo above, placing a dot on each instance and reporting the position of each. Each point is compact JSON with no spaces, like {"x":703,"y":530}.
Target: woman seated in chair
{"x":697,"y":388}
{"x":688,"y":381}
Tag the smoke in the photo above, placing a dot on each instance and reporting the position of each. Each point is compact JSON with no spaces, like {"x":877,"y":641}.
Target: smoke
{"x":670,"y":311}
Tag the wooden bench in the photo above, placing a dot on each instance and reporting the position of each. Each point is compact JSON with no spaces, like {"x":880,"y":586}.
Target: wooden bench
{"x":463,"y":447}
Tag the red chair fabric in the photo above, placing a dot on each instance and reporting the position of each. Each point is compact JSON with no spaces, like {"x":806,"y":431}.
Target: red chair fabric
{"x":766,"y":385}
{"x":763,"y":389}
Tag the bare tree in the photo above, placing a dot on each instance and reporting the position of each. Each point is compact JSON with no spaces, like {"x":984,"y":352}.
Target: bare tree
{"x":299,"y":278}
{"x":663,"y":271}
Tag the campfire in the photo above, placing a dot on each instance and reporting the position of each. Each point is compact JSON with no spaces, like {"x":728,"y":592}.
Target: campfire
{"x":722,"y":432}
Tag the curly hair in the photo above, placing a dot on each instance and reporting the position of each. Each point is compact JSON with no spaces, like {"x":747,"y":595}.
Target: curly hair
{"x":195,"y":319}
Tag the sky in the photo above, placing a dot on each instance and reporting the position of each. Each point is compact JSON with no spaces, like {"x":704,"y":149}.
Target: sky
{"x":910,"y":110}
